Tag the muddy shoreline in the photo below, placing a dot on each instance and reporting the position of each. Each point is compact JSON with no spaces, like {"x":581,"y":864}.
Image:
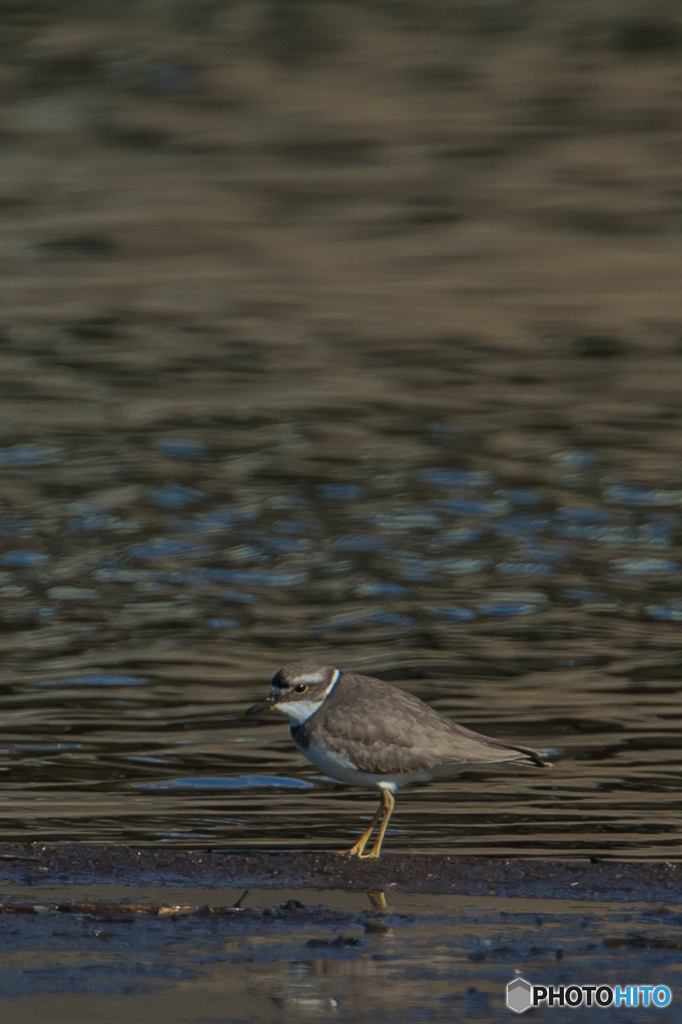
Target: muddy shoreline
{"x":72,"y":863}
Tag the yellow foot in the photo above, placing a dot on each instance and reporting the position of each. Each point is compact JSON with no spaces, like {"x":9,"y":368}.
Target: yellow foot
{"x":355,"y":851}
{"x":358,"y":851}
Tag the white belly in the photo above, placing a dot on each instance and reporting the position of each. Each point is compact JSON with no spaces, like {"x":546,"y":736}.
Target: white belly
{"x":339,"y":767}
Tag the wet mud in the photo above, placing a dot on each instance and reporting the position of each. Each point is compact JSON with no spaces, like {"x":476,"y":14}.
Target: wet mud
{"x":297,"y":955}
{"x":539,"y":878}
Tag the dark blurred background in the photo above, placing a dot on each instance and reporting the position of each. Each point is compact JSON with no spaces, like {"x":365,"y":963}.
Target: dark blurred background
{"x":306,"y":178}
{"x":347,"y":331}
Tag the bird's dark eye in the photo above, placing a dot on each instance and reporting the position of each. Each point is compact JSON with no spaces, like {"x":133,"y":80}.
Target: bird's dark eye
{"x":301,"y":688}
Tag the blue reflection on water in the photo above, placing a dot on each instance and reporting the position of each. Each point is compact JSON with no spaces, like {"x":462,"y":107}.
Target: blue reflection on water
{"x":645,"y":566}
{"x":455,"y":477}
{"x":228,"y":782}
{"x":177,"y":448}
{"x":508,"y":608}
{"x":21,"y":559}
{"x":353,"y":543}
{"x":175,"y":496}
{"x":525,"y":569}
{"x":257,"y":577}
{"x":28,"y":455}
{"x":17,"y":527}
{"x":340,"y":492}
{"x":520,"y":497}
{"x":452,"y":612}
{"x":471,"y":507}
{"x":165,"y":547}
{"x":514,"y":526}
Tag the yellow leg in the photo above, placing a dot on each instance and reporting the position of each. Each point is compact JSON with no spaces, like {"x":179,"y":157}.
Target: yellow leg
{"x":383,"y":814}
{"x":358,"y":849}
{"x":388,"y":803}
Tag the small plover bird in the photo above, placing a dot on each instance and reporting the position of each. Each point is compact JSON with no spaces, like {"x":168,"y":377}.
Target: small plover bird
{"x":365,"y":732}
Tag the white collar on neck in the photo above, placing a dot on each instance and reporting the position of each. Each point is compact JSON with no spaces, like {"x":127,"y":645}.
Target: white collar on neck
{"x":299,"y":711}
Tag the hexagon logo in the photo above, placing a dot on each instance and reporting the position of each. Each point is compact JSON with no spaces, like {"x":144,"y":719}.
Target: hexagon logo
{"x":519,"y":995}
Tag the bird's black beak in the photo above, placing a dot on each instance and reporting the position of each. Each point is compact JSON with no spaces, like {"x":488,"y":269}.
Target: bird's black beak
{"x":264,"y":705}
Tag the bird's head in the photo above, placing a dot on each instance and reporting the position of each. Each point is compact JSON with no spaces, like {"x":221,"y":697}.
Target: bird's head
{"x":298,"y":690}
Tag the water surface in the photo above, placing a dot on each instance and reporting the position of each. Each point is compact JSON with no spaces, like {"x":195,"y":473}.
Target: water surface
{"x":149,"y":592}
{"x":359,"y":342}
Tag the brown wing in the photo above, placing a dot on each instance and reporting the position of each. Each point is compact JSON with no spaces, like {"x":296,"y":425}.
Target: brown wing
{"x":409,"y":736}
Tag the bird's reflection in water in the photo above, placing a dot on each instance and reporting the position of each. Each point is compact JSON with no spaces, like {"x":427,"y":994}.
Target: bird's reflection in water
{"x":378,"y":900}
{"x":375,"y":923}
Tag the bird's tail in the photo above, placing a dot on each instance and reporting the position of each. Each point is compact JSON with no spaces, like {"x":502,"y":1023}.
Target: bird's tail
{"x":535,"y":758}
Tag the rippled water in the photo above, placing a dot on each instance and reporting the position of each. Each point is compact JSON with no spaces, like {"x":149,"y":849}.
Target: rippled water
{"x":351,"y":336}
{"x":521,"y":575}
